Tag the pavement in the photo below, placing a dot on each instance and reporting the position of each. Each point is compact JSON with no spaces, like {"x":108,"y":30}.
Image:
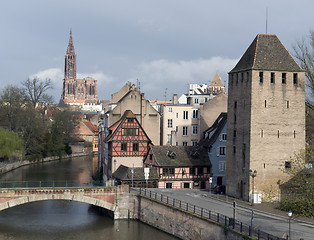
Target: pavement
{"x":266,"y":216}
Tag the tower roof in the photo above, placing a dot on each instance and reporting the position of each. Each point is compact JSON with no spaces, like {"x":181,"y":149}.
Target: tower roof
{"x":70,"y":49}
{"x":216,"y":82}
{"x":266,"y":52}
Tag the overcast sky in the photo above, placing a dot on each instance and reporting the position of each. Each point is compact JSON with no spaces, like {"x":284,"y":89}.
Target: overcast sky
{"x":162,"y":43}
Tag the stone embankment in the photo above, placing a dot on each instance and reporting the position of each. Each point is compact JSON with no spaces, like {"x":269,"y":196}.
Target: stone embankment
{"x":11,"y":166}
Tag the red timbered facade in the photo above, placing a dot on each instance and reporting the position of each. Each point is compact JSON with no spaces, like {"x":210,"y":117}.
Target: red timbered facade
{"x":127,"y":142}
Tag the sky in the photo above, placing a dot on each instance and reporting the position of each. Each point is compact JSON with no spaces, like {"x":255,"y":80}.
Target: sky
{"x":162,"y":46}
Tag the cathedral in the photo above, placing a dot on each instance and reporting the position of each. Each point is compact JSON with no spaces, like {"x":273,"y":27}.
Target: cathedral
{"x":76,"y":91}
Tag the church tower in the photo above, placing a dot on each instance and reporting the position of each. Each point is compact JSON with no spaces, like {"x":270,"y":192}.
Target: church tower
{"x":266,"y":118}
{"x":76,"y":91}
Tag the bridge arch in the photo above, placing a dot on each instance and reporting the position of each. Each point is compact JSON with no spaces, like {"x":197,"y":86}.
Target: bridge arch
{"x":101,"y":197}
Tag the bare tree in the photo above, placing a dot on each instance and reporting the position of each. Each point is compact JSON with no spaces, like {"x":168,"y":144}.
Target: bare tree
{"x":35,"y":90}
{"x":304,"y":52}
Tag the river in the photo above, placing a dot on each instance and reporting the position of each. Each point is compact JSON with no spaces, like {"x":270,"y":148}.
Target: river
{"x":58,"y":219}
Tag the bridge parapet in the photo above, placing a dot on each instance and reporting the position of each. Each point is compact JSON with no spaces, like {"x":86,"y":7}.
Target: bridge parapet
{"x":114,"y":199}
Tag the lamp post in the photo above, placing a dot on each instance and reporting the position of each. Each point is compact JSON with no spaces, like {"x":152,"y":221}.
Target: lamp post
{"x":289,"y":215}
{"x":253,"y":175}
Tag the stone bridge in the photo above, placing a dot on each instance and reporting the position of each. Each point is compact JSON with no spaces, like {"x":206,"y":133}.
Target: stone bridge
{"x":114,"y":199}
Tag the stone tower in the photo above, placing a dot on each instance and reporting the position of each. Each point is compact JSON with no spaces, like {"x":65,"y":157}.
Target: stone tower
{"x":76,"y":91}
{"x":266,"y":118}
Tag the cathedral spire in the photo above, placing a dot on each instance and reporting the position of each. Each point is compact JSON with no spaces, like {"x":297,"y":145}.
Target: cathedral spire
{"x":70,"y":49}
{"x":70,"y":60}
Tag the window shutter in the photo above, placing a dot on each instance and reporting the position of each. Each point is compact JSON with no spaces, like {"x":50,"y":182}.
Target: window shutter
{"x":217,"y":151}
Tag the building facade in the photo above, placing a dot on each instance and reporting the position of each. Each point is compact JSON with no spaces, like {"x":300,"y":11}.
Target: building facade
{"x":180,"y":167}
{"x":214,"y":141}
{"x":130,"y":98}
{"x":127,"y":142}
{"x":76,"y":91}
{"x":266,"y":120}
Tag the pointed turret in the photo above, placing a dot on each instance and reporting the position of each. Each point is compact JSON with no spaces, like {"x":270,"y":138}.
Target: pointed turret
{"x":216,"y":86}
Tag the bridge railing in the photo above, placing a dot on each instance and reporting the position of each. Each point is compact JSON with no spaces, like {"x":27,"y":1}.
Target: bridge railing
{"x":238,"y":226}
{"x":50,"y":184}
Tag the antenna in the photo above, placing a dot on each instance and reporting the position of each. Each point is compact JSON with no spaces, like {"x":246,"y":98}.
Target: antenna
{"x":266,"y":18}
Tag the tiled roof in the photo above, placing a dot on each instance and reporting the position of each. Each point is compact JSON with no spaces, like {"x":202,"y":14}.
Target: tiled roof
{"x":124,"y":173}
{"x":180,"y":156}
{"x":266,"y":52}
{"x":91,"y":126}
{"x":216,"y":82}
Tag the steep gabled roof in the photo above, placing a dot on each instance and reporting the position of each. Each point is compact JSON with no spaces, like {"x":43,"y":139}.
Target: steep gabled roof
{"x":128,"y":114}
{"x":217,"y":126}
{"x":91,"y":127}
{"x":216,"y":82}
{"x":180,"y":156}
{"x":266,"y":52}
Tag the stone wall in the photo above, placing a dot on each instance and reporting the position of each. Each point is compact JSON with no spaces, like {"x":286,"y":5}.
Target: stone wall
{"x":176,"y":222}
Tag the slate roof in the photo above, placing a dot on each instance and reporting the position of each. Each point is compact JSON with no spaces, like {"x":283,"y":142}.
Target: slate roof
{"x":217,"y":126}
{"x":180,"y":156}
{"x":124,"y":173}
{"x":266,"y":52}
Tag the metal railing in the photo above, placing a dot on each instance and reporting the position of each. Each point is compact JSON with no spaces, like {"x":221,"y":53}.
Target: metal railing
{"x":236,"y":225}
{"x":51,"y":184}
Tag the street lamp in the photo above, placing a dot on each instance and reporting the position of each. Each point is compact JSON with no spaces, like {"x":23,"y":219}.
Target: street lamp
{"x":253,"y":175}
{"x":289,"y":215}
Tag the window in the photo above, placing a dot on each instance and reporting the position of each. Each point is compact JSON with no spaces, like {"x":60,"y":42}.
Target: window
{"x":150,"y":157}
{"x":262,"y":133}
{"x":135,"y":147}
{"x":186,"y":185}
{"x":283,"y":78}
{"x":278,"y":133}
{"x":222,"y":166}
{"x":260,"y":77}
{"x":235,"y":104}
{"x":124,"y":146}
{"x":169,"y":123}
{"x":129,"y":131}
{"x":195,"y":100}
{"x":194,"y":143}
{"x":265,"y":103}
{"x":234,"y":149}
{"x":200,"y":171}
{"x":222,"y":151}
{"x":242,"y":77}
{"x":294,"y":134}
{"x":185,"y":131}
{"x":177,"y":128}
{"x":287,"y":104}
{"x":167,"y":171}
{"x":295,"y":78}
{"x":130,"y":120}
{"x":194,"y":129}
{"x":169,"y":139}
{"x":287,"y":164}
{"x":224,"y":137}
{"x":177,"y":115}
{"x":272,"y":77}
{"x":234,"y":133}
{"x":170,"y":109}
{"x":185,"y":114}
{"x":192,"y":171}
{"x":236,"y":75}
{"x":184,"y":144}
{"x":195,"y":113}
{"x":247,"y":76}
{"x":235,"y":118}
{"x":168,"y":185}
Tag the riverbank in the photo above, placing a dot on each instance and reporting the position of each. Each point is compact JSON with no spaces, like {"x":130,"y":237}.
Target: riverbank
{"x":14,"y":165}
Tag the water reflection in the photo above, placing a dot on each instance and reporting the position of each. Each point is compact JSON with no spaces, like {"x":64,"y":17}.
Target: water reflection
{"x":66,"y":220}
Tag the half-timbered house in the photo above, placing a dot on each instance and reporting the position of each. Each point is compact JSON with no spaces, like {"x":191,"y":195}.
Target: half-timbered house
{"x":180,"y":166}
{"x":127,"y":142}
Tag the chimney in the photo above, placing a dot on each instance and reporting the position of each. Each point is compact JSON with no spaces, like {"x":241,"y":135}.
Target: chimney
{"x":175,"y":99}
